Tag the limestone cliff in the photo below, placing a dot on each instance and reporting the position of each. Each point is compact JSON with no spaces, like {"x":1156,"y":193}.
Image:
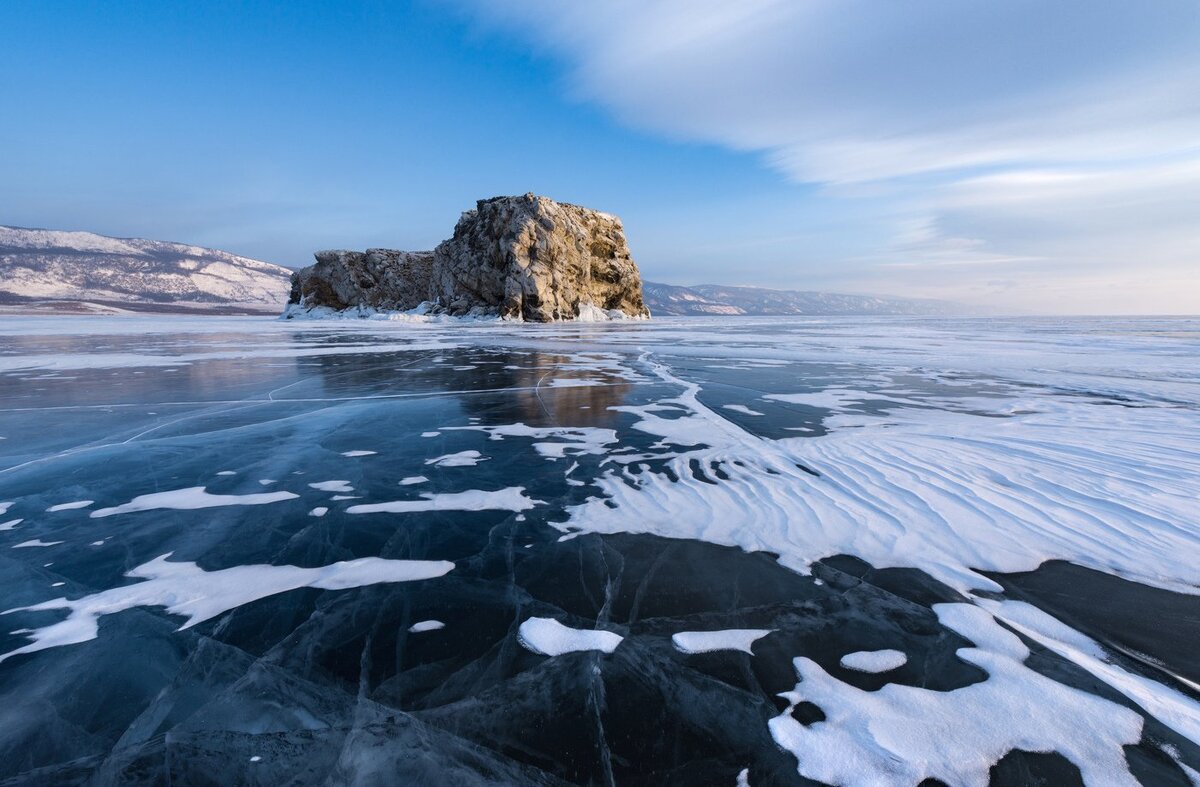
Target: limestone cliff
{"x":537,"y":259}
{"x":523,"y":257}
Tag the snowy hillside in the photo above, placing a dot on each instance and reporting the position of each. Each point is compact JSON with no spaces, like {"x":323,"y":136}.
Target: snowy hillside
{"x":713,"y":299}
{"x":47,"y":265}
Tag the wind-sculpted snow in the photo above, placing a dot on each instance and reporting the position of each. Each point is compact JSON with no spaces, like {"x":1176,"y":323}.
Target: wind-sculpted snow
{"x":1173,"y":708}
{"x":186,"y":589}
{"x":905,"y":734}
{"x":1109,"y":487}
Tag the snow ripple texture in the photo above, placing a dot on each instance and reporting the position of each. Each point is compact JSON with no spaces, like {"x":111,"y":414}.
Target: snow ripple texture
{"x":952,"y":493}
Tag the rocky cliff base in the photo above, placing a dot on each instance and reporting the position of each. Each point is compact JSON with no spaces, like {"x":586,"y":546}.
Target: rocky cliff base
{"x":521,"y":258}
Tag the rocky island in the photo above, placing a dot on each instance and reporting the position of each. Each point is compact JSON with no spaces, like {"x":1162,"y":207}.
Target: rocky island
{"x":522,"y":258}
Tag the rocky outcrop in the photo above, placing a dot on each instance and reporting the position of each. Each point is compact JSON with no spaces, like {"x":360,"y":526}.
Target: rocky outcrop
{"x":524,"y":257}
{"x":377,"y":279}
{"x":533,"y":258}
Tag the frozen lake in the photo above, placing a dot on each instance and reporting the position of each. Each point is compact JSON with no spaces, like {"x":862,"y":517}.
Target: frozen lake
{"x":785,"y":551}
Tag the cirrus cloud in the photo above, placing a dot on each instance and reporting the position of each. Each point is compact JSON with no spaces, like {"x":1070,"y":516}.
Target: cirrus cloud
{"x":1053,"y":147}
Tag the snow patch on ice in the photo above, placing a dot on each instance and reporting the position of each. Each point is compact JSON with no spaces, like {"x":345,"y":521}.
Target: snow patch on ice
{"x":574,"y":440}
{"x":332,"y":486}
{"x":905,"y":734}
{"x":548,"y":637}
{"x":426,"y":625}
{"x":413,"y":479}
{"x":319,"y":511}
{"x":510,"y":499}
{"x":1174,"y":709}
{"x":359,"y":453}
{"x":460,"y":459}
{"x":37,"y":542}
{"x":10,"y":524}
{"x":188,"y":590}
{"x":725,"y":639}
{"x":837,"y":398}
{"x":189,"y":499}
{"x":71,"y":506}
{"x":741,"y":408}
{"x":874,"y":660}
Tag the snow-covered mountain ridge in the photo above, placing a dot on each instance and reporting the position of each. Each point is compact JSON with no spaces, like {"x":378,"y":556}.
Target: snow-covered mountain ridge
{"x":50,"y":265}
{"x":62,"y":268}
{"x":715,"y":299}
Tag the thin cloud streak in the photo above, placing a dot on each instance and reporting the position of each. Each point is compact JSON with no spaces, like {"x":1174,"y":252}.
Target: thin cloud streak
{"x":1051,"y":147}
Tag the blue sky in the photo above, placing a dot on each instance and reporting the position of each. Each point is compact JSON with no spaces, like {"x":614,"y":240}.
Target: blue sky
{"x":1043,"y":156}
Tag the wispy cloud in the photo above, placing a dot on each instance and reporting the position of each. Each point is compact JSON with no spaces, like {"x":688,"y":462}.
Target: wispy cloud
{"x":1054,"y":147}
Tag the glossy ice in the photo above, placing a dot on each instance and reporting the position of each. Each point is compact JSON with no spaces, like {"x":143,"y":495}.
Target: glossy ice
{"x":829,"y":486}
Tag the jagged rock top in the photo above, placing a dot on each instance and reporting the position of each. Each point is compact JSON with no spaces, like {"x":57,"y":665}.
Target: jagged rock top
{"x":537,"y":259}
{"x":524,"y":257}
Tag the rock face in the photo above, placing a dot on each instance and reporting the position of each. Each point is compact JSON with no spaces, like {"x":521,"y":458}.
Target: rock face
{"x":380,"y":279}
{"x":524,"y":257}
{"x":537,"y":259}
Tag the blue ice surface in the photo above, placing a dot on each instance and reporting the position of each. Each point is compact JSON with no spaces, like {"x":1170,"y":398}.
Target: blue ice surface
{"x":322,"y":681}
